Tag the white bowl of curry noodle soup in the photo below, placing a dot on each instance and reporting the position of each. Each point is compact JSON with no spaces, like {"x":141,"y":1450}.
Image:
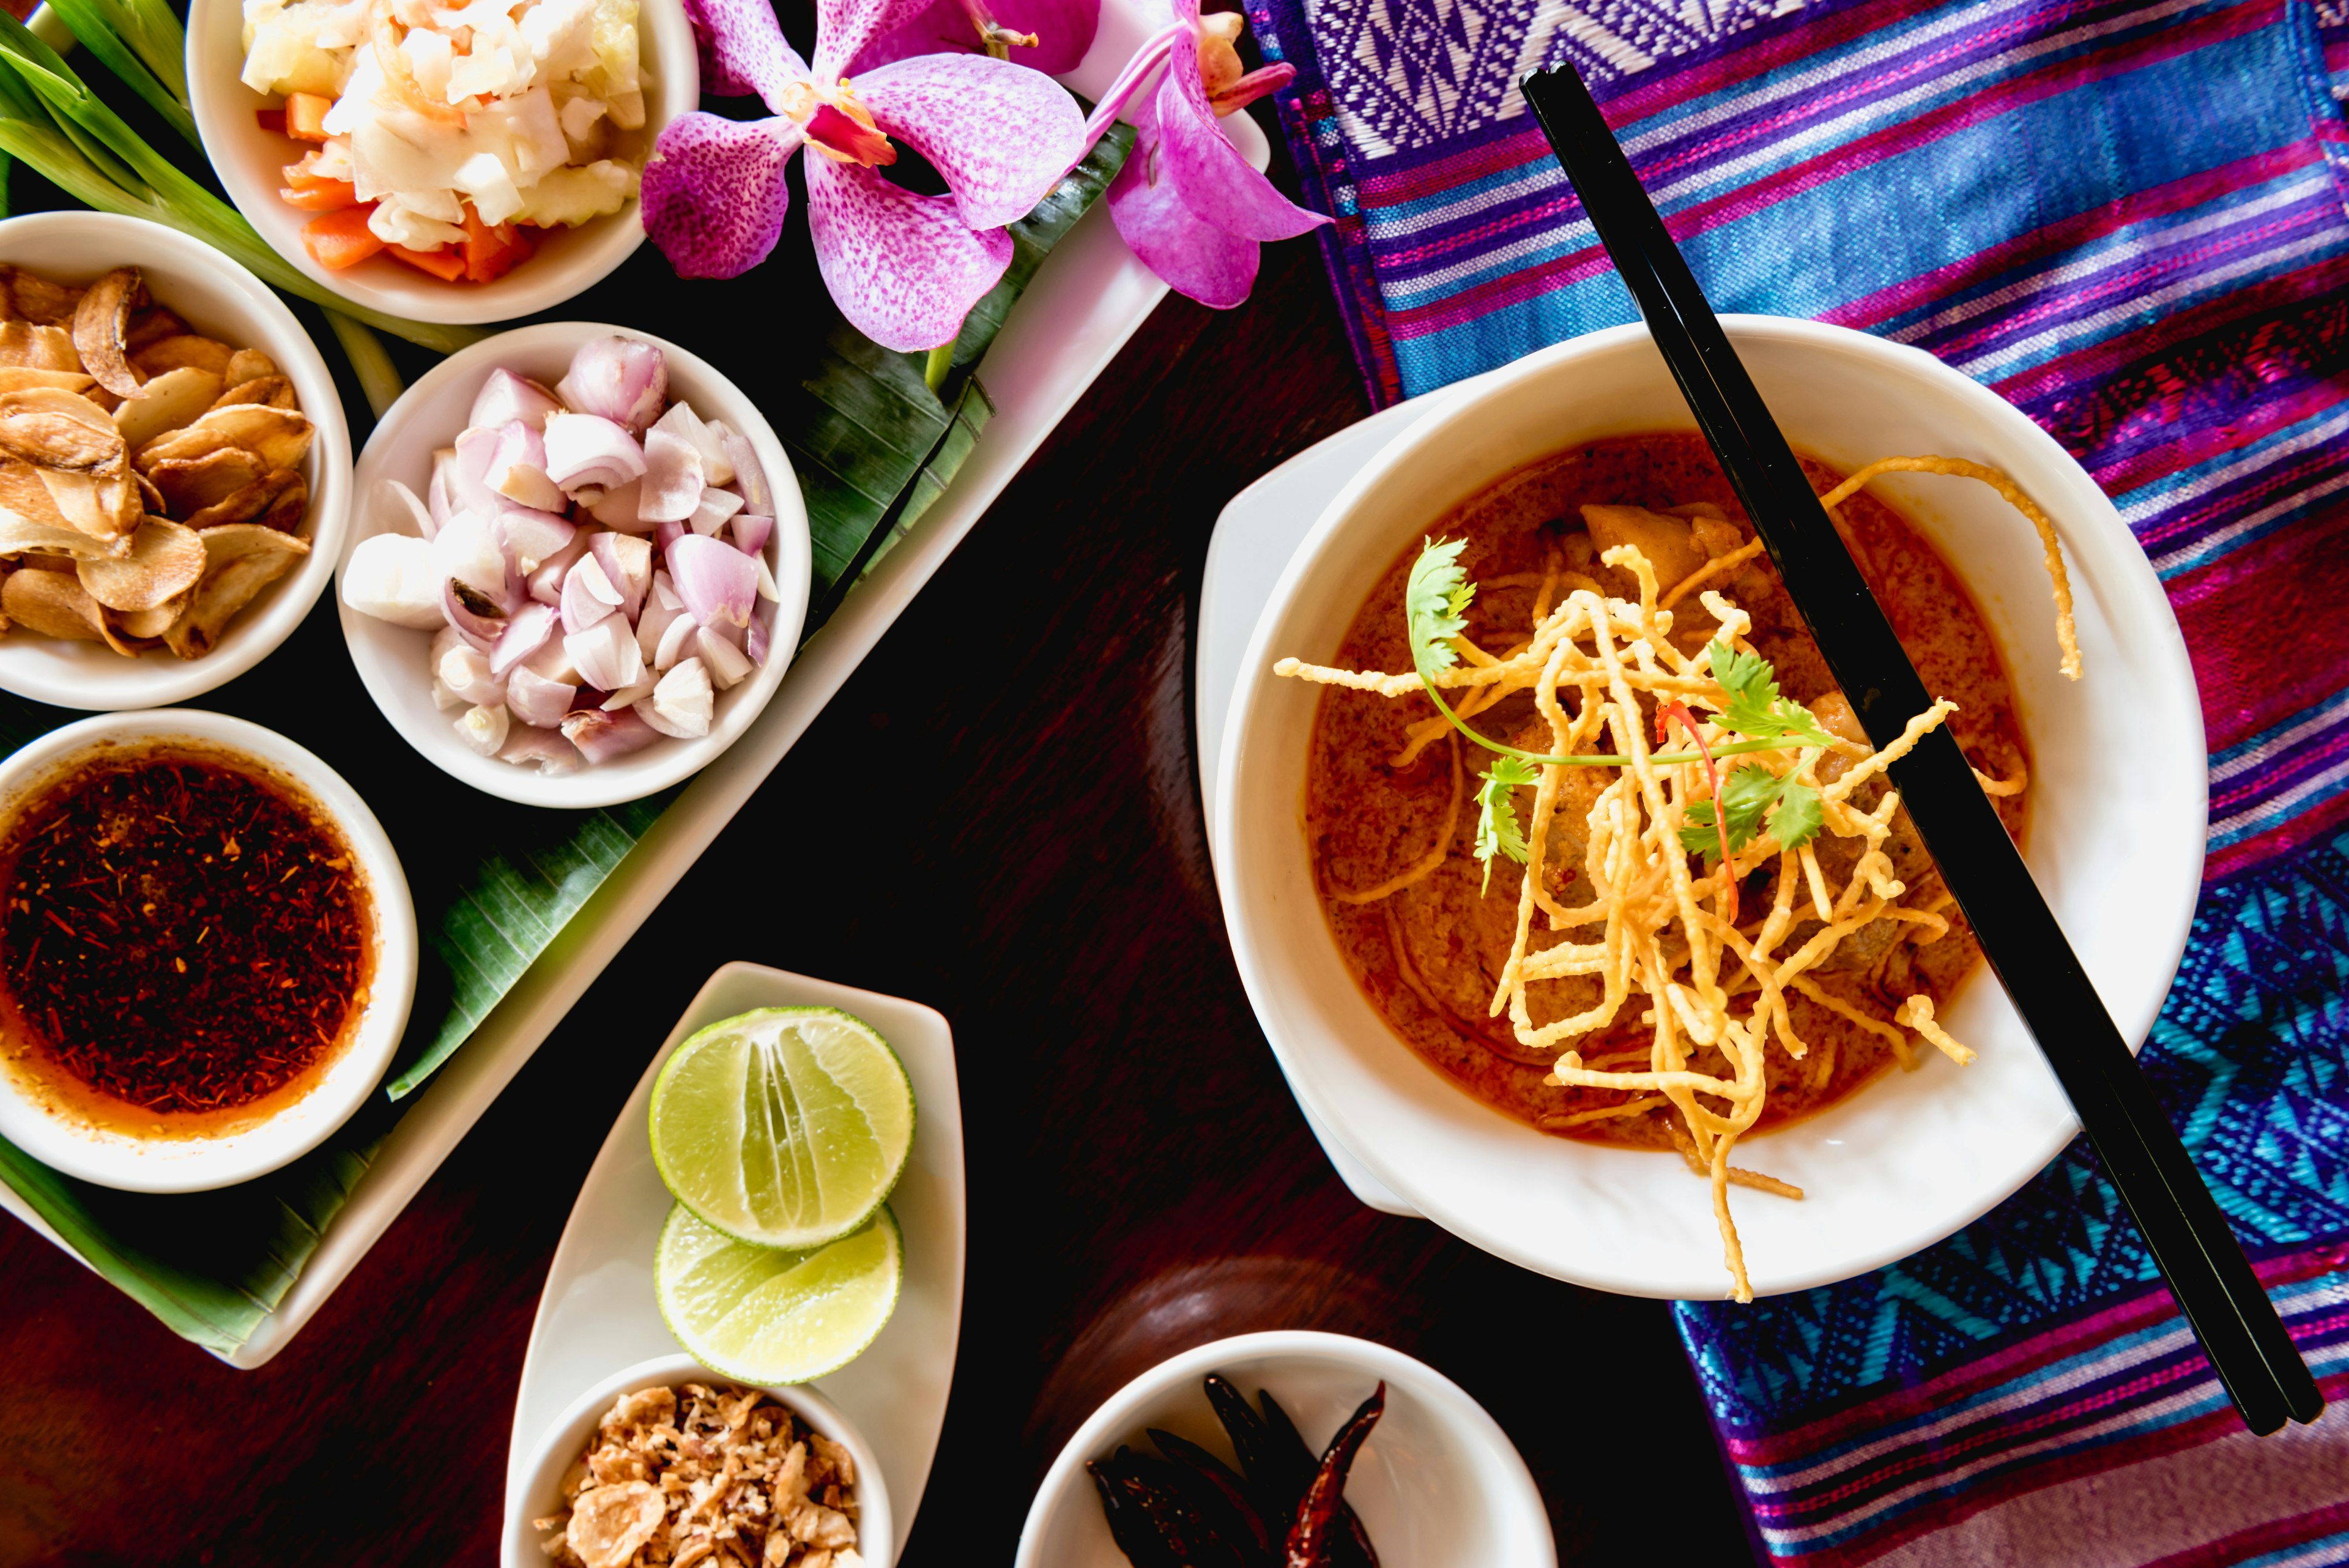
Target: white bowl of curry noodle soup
{"x":594,"y":1487}
{"x":253,"y":477}
{"x":1434,"y":1481}
{"x":211,"y":950}
{"x":1352,"y":893}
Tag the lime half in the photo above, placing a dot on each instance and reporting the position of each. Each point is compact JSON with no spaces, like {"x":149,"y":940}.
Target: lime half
{"x":776,"y":1314}
{"x":786,"y":1127}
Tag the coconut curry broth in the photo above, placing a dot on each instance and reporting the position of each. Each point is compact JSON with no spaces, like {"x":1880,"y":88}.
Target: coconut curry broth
{"x":1430,"y":955}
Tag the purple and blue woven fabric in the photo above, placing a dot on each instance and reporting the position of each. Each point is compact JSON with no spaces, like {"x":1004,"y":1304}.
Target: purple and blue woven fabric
{"x":2129,"y":219}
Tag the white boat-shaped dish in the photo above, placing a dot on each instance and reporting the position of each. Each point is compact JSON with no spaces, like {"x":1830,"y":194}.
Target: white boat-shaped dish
{"x":598,"y":1315}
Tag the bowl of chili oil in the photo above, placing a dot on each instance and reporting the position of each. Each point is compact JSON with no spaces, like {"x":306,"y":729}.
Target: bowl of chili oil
{"x":189,"y":938}
{"x":207,"y":950}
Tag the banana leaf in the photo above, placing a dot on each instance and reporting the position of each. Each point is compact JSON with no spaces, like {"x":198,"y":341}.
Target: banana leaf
{"x":873,"y":448}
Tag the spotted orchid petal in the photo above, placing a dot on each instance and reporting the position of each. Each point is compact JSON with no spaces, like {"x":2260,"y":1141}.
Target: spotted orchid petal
{"x":843,"y":28}
{"x":714,"y":197}
{"x":743,"y":50}
{"x":1215,"y":180}
{"x":954,"y":109}
{"x":903,"y":268}
{"x":1063,"y":31}
{"x":1196,"y":257}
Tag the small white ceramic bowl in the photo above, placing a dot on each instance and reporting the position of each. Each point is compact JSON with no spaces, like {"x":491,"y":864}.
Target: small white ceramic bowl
{"x":390,"y":658}
{"x":251,"y":163}
{"x":198,"y":1163}
{"x":219,"y":299}
{"x":2118,"y":807}
{"x":1437,"y":1483}
{"x":539,"y":1495}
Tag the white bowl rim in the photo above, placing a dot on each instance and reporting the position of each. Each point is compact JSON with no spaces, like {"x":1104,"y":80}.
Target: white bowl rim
{"x":665,"y":35}
{"x":157,"y":679}
{"x":2166,"y":930}
{"x":200,"y":1165}
{"x":553,"y":1449}
{"x":791,"y":559}
{"x":1113,"y":1420}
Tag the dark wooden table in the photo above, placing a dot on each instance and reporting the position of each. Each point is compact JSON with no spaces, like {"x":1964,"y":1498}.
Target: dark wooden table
{"x":1019,"y":750}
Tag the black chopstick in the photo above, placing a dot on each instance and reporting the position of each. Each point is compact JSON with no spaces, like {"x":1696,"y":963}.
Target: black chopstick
{"x":2189,"y":1236}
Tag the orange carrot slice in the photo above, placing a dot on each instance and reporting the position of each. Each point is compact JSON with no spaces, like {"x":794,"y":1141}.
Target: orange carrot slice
{"x":491,"y":252}
{"x":342,"y":238}
{"x":304,"y":187}
{"x":326,"y":196}
{"x":444,"y":264}
{"x":314,"y":193}
{"x":306,"y":116}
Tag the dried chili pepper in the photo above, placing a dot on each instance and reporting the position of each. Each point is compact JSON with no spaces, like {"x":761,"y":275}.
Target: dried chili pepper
{"x":1190,"y":1536}
{"x":1288,"y":1450}
{"x":181,"y":934}
{"x":1351,"y":1548}
{"x":1218,"y":1494}
{"x":1270,"y":1486}
{"x":1127,"y":1525}
{"x":1153,"y":1524}
{"x":1317,"y":1527}
{"x":1188,"y":1510}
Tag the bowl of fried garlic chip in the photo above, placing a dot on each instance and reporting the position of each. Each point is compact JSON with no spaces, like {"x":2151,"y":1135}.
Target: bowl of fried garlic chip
{"x":175,"y":465}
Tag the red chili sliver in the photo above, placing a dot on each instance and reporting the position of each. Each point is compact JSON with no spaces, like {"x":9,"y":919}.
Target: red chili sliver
{"x":1680,"y":710}
{"x":1316,"y":1526}
{"x":271,"y":119}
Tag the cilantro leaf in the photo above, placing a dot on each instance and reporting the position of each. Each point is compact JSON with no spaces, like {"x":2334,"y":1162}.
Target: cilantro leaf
{"x":1799,"y":815}
{"x":1697,"y":835}
{"x":1747,"y":795}
{"x":1435,"y":601}
{"x":1751,"y":796}
{"x":1755,"y":708}
{"x":1498,"y":830}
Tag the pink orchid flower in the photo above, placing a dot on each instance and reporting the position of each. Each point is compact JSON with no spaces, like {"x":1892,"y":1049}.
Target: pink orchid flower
{"x":1186,"y":202}
{"x":905,"y":268}
{"x":1047,"y":35}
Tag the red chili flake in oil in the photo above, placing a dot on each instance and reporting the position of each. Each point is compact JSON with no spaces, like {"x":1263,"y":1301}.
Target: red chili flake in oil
{"x":180,"y":933}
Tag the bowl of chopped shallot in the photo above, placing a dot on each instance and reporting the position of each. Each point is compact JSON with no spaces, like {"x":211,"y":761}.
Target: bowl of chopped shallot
{"x":449,"y":166}
{"x":578,"y":565}
{"x":667,"y":1455}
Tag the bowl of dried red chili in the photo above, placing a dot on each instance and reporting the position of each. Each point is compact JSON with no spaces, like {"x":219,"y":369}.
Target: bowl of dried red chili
{"x":207,"y":950}
{"x":1424,"y":1472}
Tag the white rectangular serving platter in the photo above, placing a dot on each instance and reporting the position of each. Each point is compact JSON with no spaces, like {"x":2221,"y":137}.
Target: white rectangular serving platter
{"x":1086,"y":300}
